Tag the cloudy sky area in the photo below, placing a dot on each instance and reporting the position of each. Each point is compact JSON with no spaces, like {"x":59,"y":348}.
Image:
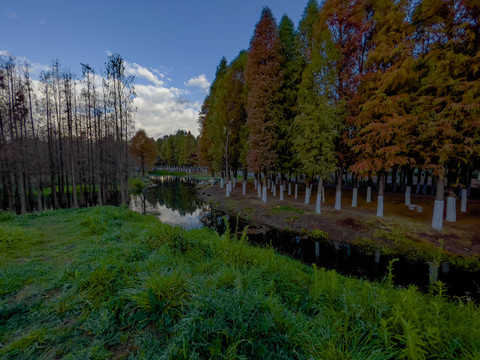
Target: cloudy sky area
{"x":171,"y":47}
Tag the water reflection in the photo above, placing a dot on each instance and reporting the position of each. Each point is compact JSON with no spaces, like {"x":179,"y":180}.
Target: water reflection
{"x":173,"y":201}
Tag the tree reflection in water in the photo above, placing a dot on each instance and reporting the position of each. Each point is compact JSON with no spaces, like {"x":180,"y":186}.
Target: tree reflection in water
{"x":173,"y":200}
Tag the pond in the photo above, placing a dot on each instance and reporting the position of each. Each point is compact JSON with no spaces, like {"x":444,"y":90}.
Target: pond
{"x":175,"y":201}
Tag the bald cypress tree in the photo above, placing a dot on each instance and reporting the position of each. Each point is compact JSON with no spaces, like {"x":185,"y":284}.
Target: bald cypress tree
{"x":264,"y":77}
{"x":317,"y":125}
{"x":209,"y":152}
{"x":292,"y":64}
{"x":384,"y":122}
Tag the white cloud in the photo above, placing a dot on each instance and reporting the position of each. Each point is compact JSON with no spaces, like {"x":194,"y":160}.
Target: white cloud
{"x":142,"y":72}
{"x":162,"y":111}
{"x":12,"y":15}
{"x":198,"y":81}
{"x":34,"y":68}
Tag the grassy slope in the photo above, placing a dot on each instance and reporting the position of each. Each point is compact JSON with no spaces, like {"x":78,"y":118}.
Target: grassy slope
{"x":108,"y":283}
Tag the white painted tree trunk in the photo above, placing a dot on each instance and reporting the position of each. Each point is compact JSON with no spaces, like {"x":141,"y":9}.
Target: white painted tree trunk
{"x":338,"y":200}
{"x":281,"y":192}
{"x":318,"y":205}
{"x":234,"y":181}
{"x":380,"y":206}
{"x":307,"y":195}
{"x":244,"y":187}
{"x":463,"y":206}
{"x":212,"y":180}
{"x":354,"y":197}
{"x":274,"y":190}
{"x":439,"y":205}
{"x":381,"y":188}
{"x":259,"y":190}
{"x":369,"y":194}
{"x":317,"y":249}
{"x":451,"y":209}
{"x":222,"y":183}
{"x":408,"y":193}
{"x":264,"y":194}
{"x":227,"y":191}
{"x":437,"y":219}
{"x":296,"y":191}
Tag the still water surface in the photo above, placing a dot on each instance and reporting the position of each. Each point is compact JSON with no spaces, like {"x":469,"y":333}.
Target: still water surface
{"x":175,"y":201}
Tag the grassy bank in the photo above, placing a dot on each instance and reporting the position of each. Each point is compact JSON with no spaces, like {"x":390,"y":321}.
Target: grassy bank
{"x":108,"y":283}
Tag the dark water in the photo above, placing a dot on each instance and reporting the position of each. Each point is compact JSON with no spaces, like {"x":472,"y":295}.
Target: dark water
{"x":175,"y":201}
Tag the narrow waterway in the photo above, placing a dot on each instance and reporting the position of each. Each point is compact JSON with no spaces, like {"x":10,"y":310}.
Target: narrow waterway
{"x":175,"y":201}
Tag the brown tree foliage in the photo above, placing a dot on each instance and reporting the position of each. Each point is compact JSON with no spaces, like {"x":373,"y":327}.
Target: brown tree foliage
{"x":144,"y":149}
{"x":263,"y":75}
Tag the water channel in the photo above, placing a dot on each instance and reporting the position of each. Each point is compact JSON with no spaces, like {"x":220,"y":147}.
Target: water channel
{"x":175,"y":201}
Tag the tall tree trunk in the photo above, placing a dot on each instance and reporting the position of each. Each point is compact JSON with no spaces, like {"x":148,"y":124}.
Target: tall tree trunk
{"x":338,"y":190}
{"x":318,"y":205}
{"x":437,"y":219}
{"x":355,"y":192}
{"x":307,"y":191}
{"x":381,"y":187}
{"x":264,"y":190}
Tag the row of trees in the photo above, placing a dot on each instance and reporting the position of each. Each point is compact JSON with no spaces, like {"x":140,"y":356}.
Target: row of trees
{"x":64,"y":140}
{"x":364,"y":87}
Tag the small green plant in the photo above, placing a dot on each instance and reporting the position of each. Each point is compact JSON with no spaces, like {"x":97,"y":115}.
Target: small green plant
{"x":390,"y":275}
{"x":136,"y":185}
{"x":6,"y":216}
{"x":319,"y":235}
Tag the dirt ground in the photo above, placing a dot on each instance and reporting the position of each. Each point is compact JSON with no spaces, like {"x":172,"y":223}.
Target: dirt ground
{"x":351,"y":224}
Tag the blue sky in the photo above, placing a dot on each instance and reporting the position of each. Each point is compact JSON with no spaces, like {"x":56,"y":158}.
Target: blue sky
{"x":172,"y":47}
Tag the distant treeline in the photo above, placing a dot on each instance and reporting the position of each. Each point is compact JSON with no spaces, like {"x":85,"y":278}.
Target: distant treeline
{"x":64,"y":140}
{"x":179,"y":149}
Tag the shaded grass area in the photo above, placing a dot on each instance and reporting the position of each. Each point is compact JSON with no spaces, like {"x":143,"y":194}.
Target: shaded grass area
{"x":286,"y":208}
{"x":105,"y":282}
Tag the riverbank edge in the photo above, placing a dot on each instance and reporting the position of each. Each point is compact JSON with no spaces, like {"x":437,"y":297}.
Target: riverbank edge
{"x":415,"y":249}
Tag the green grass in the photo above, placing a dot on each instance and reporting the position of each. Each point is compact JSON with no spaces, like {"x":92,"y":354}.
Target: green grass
{"x":284,"y":208}
{"x":105,"y":282}
{"x":136,"y":185}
